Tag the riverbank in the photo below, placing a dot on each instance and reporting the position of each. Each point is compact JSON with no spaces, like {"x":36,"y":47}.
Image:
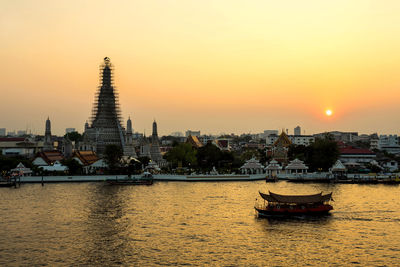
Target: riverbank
{"x":157,"y":177}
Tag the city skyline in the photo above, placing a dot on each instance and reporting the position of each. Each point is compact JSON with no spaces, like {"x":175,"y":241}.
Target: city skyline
{"x":240,"y":67}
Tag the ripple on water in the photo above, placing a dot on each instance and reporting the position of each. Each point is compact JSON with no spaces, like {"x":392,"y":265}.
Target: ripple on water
{"x":193,"y":224}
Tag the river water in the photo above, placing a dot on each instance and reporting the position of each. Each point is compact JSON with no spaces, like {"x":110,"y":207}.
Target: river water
{"x":181,"y":223}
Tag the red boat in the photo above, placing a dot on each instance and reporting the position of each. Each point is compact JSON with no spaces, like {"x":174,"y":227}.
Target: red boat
{"x":287,"y":205}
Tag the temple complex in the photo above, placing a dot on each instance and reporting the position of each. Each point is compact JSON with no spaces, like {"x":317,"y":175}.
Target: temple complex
{"x":105,"y":127}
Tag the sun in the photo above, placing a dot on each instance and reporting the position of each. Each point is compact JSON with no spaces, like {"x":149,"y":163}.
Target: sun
{"x":328,"y":112}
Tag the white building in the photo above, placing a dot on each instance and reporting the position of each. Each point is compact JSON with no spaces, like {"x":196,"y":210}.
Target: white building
{"x":273,"y":168}
{"x":192,"y":133}
{"x":390,"y":165}
{"x":356,"y":155}
{"x":21,"y":170}
{"x":19,"y":146}
{"x":340,"y":136}
{"x":177,"y":134}
{"x":373,"y":144}
{"x":296,"y":166}
{"x":305,"y":140}
{"x":252,"y":166}
{"x":297,"y":130}
{"x":204,"y":139}
{"x":268,"y":133}
{"x":389,"y":143}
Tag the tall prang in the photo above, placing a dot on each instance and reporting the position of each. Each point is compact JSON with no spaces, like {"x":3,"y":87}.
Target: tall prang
{"x":105,"y":128}
{"x":48,"y":143}
{"x":129,"y":149}
{"x":155,"y":145}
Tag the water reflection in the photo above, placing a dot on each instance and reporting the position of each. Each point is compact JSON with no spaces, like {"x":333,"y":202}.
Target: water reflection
{"x":193,"y":224}
{"x":105,"y":227}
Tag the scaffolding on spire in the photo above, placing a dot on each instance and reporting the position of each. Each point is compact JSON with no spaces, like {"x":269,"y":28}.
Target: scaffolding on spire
{"x":106,"y":120}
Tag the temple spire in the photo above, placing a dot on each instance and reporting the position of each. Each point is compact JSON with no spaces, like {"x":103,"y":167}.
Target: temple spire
{"x":48,"y":143}
{"x":105,"y":128}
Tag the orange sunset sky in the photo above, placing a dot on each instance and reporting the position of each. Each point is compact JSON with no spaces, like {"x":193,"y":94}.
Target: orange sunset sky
{"x":216,"y":66}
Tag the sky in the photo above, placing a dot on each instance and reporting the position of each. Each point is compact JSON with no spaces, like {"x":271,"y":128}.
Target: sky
{"x":227,"y":66}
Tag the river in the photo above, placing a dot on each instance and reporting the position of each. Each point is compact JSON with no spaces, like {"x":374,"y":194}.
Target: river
{"x":183,"y":223}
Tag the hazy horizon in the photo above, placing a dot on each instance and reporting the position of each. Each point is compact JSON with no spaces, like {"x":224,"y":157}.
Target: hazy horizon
{"x":215,"y":66}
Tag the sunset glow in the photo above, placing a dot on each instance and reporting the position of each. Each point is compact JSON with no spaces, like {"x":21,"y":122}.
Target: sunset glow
{"x":216,"y":66}
{"x":328,"y":112}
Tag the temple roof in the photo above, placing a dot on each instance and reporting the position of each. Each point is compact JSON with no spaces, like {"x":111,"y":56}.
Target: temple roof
{"x":50,"y":156}
{"x":296,"y":199}
{"x":86,"y":157}
{"x":338,"y":166}
{"x":252,"y":164}
{"x":21,"y":169}
{"x":194,"y":141}
{"x":283,"y":140}
{"x":273,"y":165}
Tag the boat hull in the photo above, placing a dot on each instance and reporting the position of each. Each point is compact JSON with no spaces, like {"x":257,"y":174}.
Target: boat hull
{"x":296,"y":211}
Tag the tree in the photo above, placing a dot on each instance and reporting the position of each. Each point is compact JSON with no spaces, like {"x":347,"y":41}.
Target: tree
{"x":250,"y":153}
{"x":74,"y":136}
{"x":134,"y":166}
{"x":112,"y":156}
{"x":73,"y":166}
{"x":144,"y":160}
{"x":183,"y":154}
{"x":322,"y":154}
{"x":208,"y":156}
{"x":298,"y":151}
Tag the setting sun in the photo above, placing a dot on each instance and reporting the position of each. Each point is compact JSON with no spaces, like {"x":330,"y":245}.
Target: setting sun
{"x":328,"y":112}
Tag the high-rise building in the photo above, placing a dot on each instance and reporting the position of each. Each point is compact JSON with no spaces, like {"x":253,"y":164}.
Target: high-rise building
{"x":105,"y":128}
{"x":2,"y":131}
{"x":48,"y":143}
{"x":297,"y":130}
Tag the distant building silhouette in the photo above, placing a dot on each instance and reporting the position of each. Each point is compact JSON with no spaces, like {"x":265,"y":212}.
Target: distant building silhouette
{"x":297,"y":130}
{"x":105,"y":128}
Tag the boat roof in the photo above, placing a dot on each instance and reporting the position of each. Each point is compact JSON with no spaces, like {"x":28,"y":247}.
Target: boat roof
{"x":296,"y":199}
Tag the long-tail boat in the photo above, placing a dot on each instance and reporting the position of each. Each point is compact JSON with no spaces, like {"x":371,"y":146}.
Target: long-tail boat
{"x":286,"y":205}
